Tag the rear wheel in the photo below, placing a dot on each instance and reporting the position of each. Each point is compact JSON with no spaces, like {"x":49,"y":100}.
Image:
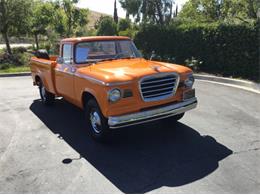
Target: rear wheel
{"x":46,"y":97}
{"x":97,"y":123}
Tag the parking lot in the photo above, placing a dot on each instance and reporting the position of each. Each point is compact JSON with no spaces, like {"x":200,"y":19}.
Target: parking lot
{"x":213,"y":149}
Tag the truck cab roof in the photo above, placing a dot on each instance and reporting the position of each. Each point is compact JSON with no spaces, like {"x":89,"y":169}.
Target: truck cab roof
{"x":93,"y":38}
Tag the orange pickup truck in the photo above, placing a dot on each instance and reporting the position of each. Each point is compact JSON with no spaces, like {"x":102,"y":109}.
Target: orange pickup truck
{"x":108,"y":78}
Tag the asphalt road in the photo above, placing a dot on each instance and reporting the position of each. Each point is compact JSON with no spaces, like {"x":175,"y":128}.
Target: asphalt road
{"x":214,"y":149}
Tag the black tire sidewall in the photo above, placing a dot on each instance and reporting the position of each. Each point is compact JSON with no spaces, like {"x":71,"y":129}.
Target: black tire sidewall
{"x":49,"y":98}
{"x":104,"y":133}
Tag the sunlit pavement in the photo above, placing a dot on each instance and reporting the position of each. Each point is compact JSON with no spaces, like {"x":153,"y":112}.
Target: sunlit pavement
{"x":214,"y":149}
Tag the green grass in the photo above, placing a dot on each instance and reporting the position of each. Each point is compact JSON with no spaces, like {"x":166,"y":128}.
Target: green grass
{"x":16,"y":69}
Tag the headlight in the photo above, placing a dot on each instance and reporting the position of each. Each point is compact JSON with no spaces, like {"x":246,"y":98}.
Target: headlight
{"x":114,"y":95}
{"x":189,"y":81}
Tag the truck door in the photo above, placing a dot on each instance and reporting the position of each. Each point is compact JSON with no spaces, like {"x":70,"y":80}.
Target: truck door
{"x":64,"y":73}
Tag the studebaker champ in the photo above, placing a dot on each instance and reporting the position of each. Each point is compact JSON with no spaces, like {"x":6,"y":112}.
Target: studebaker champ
{"x":107,"y":77}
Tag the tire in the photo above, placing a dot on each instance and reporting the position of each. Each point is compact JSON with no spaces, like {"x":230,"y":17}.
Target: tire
{"x":96,"y":121}
{"x":47,"y":98}
{"x":174,"y":119}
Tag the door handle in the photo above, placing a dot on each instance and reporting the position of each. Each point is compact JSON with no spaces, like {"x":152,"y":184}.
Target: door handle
{"x":73,"y":70}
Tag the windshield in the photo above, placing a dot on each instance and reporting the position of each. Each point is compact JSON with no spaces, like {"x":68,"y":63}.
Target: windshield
{"x":105,"y":50}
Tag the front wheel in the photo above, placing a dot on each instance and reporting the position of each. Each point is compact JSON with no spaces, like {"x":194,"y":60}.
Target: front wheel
{"x":46,"y":97}
{"x":97,"y":123}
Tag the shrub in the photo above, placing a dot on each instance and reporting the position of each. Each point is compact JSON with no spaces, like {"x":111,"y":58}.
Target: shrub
{"x":19,"y":58}
{"x":128,"y":33}
{"x":4,"y":66}
{"x":229,"y":50}
{"x":19,"y":50}
{"x":124,"y":24}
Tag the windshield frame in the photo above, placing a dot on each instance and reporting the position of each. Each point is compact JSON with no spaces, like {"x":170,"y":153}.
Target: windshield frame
{"x":139,"y":55}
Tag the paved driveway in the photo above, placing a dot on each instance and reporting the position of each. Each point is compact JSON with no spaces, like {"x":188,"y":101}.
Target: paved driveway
{"x":214,"y":149}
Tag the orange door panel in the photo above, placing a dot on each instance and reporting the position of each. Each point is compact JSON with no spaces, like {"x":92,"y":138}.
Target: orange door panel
{"x":64,"y":74}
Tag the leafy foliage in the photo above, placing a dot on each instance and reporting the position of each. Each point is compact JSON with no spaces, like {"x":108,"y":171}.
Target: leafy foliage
{"x":215,"y":10}
{"x":14,"y":19}
{"x":230,"y":50}
{"x":70,"y":16}
{"x":41,"y":19}
{"x":106,"y":26}
{"x":149,"y":11}
{"x":124,"y":24}
{"x":20,"y":58}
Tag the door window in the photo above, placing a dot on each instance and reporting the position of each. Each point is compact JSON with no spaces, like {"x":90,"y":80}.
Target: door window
{"x":67,"y":53}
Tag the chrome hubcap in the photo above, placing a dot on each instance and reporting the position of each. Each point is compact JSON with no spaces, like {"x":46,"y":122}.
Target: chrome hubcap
{"x":95,"y":121}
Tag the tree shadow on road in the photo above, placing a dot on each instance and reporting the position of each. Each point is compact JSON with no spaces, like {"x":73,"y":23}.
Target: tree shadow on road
{"x":137,"y":159}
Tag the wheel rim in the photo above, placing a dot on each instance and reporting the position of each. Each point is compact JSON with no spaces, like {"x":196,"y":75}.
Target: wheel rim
{"x":95,"y":121}
{"x":43,"y":93}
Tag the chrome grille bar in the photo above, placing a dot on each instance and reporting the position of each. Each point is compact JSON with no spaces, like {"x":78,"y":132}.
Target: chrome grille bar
{"x":161,"y":89}
{"x":160,"y":94}
{"x":159,"y":86}
{"x":156,"y":81}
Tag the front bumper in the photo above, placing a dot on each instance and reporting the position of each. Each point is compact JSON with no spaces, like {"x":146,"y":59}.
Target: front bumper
{"x":115,"y":122}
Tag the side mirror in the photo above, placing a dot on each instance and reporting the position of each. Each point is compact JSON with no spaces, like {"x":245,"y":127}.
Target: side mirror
{"x":153,"y":55}
{"x":60,"y":60}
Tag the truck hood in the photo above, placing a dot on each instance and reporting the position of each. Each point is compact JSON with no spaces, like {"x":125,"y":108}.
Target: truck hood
{"x":129,"y":69}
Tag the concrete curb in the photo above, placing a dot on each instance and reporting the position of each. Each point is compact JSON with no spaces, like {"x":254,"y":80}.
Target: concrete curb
{"x":15,"y":74}
{"x":228,"y":81}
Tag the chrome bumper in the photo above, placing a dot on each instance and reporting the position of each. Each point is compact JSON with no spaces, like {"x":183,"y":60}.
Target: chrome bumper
{"x":115,"y":122}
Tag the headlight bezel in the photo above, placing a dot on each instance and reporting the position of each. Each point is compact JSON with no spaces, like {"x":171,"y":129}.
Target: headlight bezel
{"x":189,"y":81}
{"x":110,"y":95}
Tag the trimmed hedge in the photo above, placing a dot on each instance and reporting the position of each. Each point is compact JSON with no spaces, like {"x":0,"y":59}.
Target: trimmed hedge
{"x":229,"y":50}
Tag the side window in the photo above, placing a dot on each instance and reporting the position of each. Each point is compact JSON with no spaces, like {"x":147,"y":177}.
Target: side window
{"x":67,"y":53}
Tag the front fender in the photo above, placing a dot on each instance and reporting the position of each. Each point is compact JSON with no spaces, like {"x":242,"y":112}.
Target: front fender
{"x":100,"y":96}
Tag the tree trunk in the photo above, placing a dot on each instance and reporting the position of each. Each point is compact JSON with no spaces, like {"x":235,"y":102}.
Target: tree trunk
{"x":36,"y":41}
{"x":251,"y":11}
{"x":7,"y":43}
{"x":159,"y":10}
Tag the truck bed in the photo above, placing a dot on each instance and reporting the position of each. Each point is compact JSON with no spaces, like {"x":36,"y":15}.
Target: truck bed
{"x":43,"y":70}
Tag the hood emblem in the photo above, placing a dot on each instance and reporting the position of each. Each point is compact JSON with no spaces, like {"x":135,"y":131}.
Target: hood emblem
{"x":156,"y":68}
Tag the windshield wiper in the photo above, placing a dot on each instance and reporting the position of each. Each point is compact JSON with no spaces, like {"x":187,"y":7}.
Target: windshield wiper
{"x":107,"y":59}
{"x":115,"y":58}
{"x":130,"y":57}
{"x":123,"y":54}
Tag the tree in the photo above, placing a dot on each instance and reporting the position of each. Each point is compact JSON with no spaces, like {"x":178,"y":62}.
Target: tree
{"x":124,"y":24}
{"x":216,"y":10}
{"x":71,"y":16}
{"x":149,"y":11}
{"x":42,"y":17}
{"x":106,"y":26}
{"x":131,"y":7}
{"x":59,"y":22}
{"x":115,"y":13}
{"x":14,"y":19}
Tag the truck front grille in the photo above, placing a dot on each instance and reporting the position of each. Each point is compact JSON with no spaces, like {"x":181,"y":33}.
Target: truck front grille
{"x":159,"y":86}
